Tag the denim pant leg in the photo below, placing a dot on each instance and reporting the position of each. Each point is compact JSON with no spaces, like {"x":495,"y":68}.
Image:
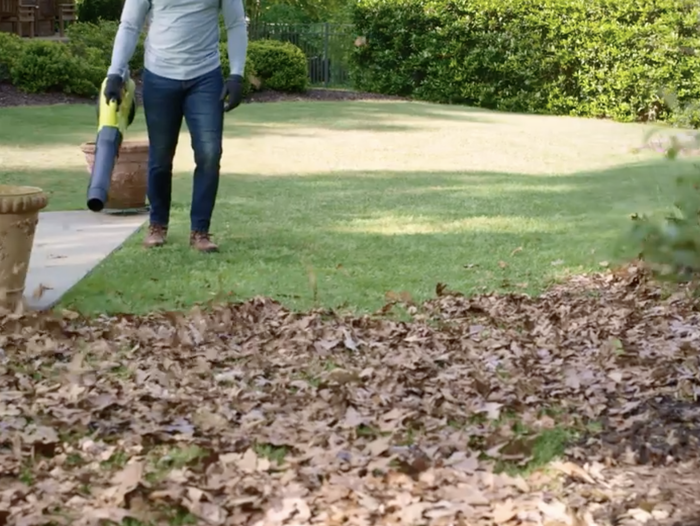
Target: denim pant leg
{"x":204,"y":115}
{"x":163,"y":108}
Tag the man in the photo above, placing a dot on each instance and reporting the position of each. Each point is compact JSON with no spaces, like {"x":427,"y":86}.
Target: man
{"x":182,"y":78}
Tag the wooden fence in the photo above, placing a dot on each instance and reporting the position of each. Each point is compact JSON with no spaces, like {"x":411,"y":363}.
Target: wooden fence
{"x":36,"y":18}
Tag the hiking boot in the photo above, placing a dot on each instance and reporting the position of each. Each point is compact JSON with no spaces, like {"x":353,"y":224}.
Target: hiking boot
{"x":156,"y":236}
{"x":201,"y":241}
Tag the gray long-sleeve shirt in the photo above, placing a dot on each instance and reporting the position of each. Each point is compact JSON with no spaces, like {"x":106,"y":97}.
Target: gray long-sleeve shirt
{"x":183,"y":36}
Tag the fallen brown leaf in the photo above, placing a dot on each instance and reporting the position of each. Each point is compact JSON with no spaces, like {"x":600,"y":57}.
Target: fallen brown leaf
{"x":250,"y":414}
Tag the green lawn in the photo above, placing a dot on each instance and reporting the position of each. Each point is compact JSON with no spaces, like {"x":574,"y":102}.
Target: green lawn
{"x":340,"y":203}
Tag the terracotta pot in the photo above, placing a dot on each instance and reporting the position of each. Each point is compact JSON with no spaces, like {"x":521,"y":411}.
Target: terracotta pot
{"x":19,"y":215}
{"x":128,"y":186}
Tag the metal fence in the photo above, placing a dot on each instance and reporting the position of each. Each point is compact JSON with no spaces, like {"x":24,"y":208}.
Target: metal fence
{"x":327,"y":47}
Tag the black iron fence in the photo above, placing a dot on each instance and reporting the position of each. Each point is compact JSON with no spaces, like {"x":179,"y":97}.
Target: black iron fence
{"x":327,"y":47}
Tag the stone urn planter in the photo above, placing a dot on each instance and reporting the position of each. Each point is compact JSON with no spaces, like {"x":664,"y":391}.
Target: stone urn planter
{"x":127,"y":190}
{"x":19,"y":215}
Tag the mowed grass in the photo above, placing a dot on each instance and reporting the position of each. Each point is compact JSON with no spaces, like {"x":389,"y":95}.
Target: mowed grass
{"x":341,"y":204}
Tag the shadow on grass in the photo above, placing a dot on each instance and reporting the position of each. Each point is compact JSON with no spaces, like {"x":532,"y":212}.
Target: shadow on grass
{"x":346,"y":240}
{"x":73,"y":124}
{"x":361,"y":113}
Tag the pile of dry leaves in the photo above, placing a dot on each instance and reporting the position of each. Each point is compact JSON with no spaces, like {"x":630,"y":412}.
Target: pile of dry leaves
{"x":251,"y":414}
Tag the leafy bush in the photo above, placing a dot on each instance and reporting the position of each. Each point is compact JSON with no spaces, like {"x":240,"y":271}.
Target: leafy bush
{"x":87,"y":39}
{"x":10,"y":47}
{"x":249,"y":75}
{"x":284,"y":14}
{"x":97,"y":10}
{"x":280,"y":66}
{"x":327,"y":47}
{"x":44,"y":66}
{"x":598,"y":58}
{"x":670,"y":244}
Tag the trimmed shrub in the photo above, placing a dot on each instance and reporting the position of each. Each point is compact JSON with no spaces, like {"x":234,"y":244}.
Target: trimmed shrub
{"x":10,"y":47}
{"x":283,"y":66}
{"x":280,"y":66}
{"x":596,"y":58}
{"x":249,"y":73}
{"x":88,"y":39}
{"x":44,"y":66}
{"x":98,"y":10}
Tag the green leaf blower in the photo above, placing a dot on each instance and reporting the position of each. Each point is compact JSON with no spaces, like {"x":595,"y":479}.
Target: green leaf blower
{"x":113,"y":119}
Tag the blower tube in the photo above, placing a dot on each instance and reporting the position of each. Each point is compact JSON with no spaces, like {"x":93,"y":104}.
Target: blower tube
{"x":107,"y":146}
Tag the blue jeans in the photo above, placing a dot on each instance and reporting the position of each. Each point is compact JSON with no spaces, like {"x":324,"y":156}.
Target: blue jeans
{"x":165,"y":103}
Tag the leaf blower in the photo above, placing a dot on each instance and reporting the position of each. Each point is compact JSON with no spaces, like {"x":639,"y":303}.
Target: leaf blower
{"x":112,"y":121}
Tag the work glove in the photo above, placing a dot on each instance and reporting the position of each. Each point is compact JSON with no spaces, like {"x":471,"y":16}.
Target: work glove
{"x":113,"y":88}
{"x":233,"y":90}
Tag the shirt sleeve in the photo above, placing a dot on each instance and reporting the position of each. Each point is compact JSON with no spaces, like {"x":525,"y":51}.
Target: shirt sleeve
{"x":237,"y":32}
{"x":130,"y":25}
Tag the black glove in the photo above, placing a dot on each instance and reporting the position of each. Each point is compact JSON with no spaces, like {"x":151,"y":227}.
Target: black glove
{"x":233,"y":89}
{"x":113,"y":88}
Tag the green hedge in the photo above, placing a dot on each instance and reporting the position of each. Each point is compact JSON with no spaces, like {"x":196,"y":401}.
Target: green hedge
{"x":270,"y":64}
{"x":10,"y":47}
{"x":96,"y":39}
{"x":44,"y":66}
{"x":280,"y":66}
{"x":79,"y":66}
{"x":597,"y":58}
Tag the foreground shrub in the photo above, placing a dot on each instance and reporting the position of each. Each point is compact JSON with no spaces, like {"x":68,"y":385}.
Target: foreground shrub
{"x":44,"y":66}
{"x":280,"y":66}
{"x":669,"y":243}
{"x":10,"y":47}
{"x":598,"y":58}
{"x":95,"y":40}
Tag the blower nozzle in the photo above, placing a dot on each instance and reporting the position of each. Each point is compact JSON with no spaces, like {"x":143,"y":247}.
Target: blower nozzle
{"x":106,"y":152}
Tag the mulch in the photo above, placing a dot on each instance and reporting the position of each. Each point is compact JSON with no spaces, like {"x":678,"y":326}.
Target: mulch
{"x":11,"y":96}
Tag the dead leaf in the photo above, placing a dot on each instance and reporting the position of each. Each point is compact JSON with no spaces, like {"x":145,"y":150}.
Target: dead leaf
{"x":39,"y":291}
{"x":492,"y":410}
{"x":573,"y":470}
{"x":379,"y":446}
{"x":123,"y":482}
{"x":250,"y":413}
{"x":248,"y":463}
{"x":615,"y":376}
{"x":555,"y":510}
{"x":503,"y":512}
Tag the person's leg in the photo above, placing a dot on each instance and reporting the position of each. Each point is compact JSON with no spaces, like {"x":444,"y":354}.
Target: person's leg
{"x":204,"y":115}
{"x":163,"y":108}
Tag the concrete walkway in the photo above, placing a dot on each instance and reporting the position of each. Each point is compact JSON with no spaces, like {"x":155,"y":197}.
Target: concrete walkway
{"x":68,"y":245}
